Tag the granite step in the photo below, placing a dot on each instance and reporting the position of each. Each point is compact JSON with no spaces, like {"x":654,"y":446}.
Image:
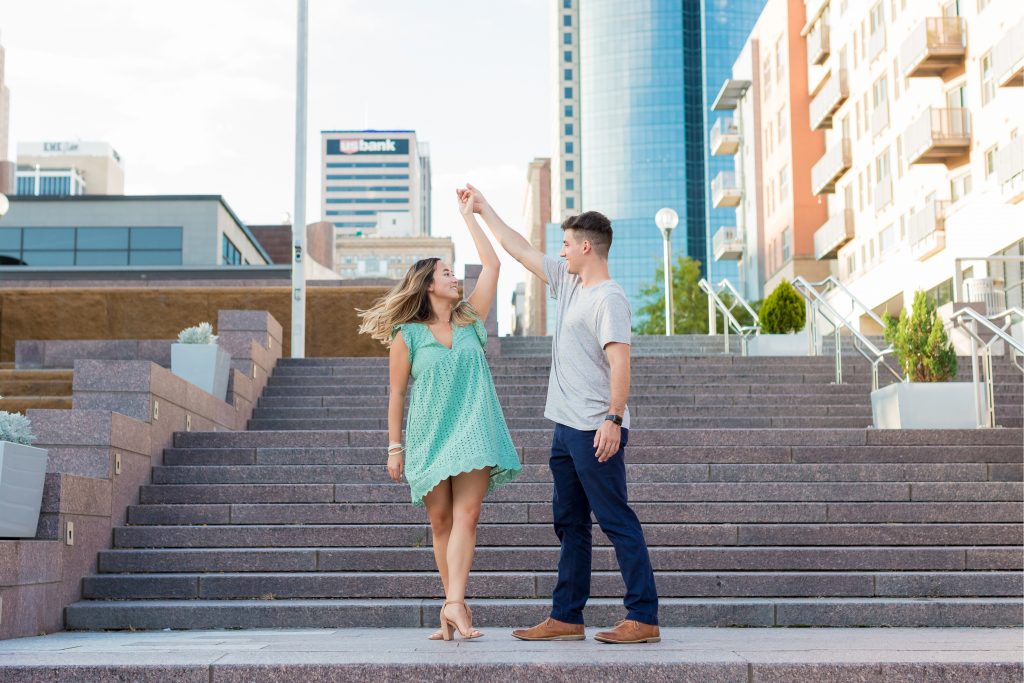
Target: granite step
{"x":647,"y":437}
{"x":636,"y":473}
{"x":1003,"y":461}
{"x":831,"y":422}
{"x":795,"y":401}
{"x":990,"y":491}
{"x":507,"y":585}
{"x":527,"y":559}
{"x":686,"y":535}
{"x":234,"y":614}
{"x":300,"y":410}
{"x":649,"y":513}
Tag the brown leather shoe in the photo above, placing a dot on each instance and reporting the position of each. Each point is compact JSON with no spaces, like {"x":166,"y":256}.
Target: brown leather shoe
{"x":551,"y":629}
{"x":629,"y":631}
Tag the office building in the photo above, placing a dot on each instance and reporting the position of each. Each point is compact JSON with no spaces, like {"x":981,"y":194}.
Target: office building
{"x":126,"y":231}
{"x":763,"y":138}
{"x":922,"y":104}
{"x":387,"y":257}
{"x":69,"y":168}
{"x":367,"y":172}
{"x":536,"y":219}
{"x":632,"y":111}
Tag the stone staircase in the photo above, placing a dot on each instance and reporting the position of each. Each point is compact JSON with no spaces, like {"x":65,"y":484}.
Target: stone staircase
{"x":765,"y":498}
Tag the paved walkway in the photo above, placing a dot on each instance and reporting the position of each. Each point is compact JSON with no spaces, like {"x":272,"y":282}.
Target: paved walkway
{"x":707,"y":655}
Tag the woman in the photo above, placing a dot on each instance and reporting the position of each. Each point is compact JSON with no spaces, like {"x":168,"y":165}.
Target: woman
{"x":458,"y":446}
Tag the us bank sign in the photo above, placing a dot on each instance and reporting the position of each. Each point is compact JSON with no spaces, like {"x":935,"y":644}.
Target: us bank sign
{"x":368,"y":146}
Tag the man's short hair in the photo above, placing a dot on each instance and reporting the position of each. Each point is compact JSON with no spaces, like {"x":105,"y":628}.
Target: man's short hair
{"x":593,"y":227}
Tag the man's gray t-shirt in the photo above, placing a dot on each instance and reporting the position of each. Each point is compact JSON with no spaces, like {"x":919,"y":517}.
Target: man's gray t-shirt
{"x":587,"y":319}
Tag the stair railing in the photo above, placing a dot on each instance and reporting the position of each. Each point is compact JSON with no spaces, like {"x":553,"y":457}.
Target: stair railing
{"x":715,"y":303}
{"x":970,"y":321}
{"x":818,"y":307}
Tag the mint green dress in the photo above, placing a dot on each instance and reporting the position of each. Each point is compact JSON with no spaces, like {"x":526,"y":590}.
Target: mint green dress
{"x":455,"y":422}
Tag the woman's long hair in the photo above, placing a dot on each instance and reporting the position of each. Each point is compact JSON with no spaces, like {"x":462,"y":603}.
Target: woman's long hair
{"x":407,"y":302}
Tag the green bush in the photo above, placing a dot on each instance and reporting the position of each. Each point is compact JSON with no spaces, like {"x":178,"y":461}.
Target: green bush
{"x":920,"y":342}
{"x":783,"y":311}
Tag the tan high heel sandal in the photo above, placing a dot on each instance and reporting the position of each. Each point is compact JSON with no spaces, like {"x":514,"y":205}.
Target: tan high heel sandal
{"x":447,"y":624}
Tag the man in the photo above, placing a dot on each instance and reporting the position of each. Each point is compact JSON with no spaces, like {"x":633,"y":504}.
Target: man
{"x":587,"y":392}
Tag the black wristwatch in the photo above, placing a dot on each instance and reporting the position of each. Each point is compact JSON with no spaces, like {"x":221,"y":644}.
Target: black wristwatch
{"x":617,"y":419}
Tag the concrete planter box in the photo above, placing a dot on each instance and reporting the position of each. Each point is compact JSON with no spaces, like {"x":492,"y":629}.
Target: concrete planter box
{"x":925,"y":405}
{"x":204,"y":365}
{"x":22,"y":472}
{"x":779,"y":345}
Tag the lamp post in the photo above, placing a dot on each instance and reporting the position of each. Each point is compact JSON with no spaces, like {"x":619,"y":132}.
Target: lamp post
{"x":667,"y":219}
{"x":299,"y":216}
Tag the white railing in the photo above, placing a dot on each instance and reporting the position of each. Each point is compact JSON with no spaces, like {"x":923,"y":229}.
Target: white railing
{"x":717,"y":305}
{"x":937,"y":127}
{"x":825,"y":103}
{"x":726,"y":244}
{"x":1008,"y":57}
{"x":975,"y":325}
{"x":836,"y":161}
{"x":833,"y":234}
{"x":941,"y":37}
{"x":725,"y":137}
{"x":1010,"y":161}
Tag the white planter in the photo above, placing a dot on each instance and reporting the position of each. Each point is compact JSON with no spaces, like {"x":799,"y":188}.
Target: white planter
{"x":205,"y":365}
{"x":925,"y":405}
{"x":779,"y":345}
{"x":22,"y":472}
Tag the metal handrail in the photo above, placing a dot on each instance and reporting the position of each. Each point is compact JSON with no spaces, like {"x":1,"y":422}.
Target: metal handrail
{"x":715,"y":302}
{"x":968,"y":320}
{"x":817,"y":305}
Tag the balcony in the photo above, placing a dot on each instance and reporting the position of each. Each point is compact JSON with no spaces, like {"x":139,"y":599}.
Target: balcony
{"x":880,"y":118}
{"x":1010,"y":169}
{"x":818,"y":44}
{"x":939,"y":136}
{"x":833,"y":234}
{"x":725,"y":137}
{"x":836,"y":161}
{"x":727,"y":245}
{"x":1008,"y":58}
{"x":936,"y":47}
{"x":827,"y":102}
{"x":883,"y":194}
{"x":876,"y":43}
{"x":927,"y":230}
{"x":724,"y":191}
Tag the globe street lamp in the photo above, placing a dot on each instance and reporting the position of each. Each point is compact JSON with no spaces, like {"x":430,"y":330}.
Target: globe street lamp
{"x":4,"y":204}
{"x":667,"y":219}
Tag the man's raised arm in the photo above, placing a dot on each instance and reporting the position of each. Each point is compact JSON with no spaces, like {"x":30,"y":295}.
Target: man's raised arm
{"x":511,"y":241}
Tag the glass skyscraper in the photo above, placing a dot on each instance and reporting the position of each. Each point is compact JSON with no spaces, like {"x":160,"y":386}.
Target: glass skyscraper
{"x":644,"y":117}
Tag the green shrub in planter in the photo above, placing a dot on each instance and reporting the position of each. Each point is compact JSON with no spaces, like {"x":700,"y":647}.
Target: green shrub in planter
{"x":16,"y":428}
{"x":920,"y":342}
{"x":783,"y":311}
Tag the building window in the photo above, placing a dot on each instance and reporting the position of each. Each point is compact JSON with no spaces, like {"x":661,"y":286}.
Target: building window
{"x":783,"y":183}
{"x":567,"y":4}
{"x":230,"y":255}
{"x":568,"y":147}
{"x":568,"y":93}
{"x":568,"y":129}
{"x":787,"y":244}
{"x":570,"y":203}
{"x":567,"y":55}
{"x":781,"y":123}
{"x":886,"y":239}
{"x":990,"y":160}
{"x":567,"y":39}
{"x":567,"y":74}
{"x":568,"y":110}
{"x":882,"y":168}
{"x":960,"y":187}
{"x":570,"y":184}
{"x":766,"y":78}
{"x":780,"y":57}
{"x":568,"y":165}
{"x":988,"y":81}
{"x":566,"y":20}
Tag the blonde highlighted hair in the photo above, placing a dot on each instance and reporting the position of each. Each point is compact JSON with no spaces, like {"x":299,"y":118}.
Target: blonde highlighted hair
{"x":408,"y":302}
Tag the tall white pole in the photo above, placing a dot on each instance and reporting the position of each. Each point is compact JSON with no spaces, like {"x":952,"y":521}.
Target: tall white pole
{"x":669,"y":323}
{"x":299,"y":214}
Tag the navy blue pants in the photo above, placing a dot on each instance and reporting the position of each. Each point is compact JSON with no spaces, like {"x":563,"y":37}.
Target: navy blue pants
{"x":582,"y":485}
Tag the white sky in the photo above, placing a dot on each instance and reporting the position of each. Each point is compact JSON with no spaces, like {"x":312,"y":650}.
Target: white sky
{"x":198,"y":95}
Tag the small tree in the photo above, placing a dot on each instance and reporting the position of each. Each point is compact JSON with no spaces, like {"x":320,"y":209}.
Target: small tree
{"x":783,"y":311}
{"x":689,"y":302}
{"x":920,"y":342}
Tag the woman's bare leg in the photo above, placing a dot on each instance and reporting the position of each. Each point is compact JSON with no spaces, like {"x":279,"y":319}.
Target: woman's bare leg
{"x":468,"y":491}
{"x":439,"y":510}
